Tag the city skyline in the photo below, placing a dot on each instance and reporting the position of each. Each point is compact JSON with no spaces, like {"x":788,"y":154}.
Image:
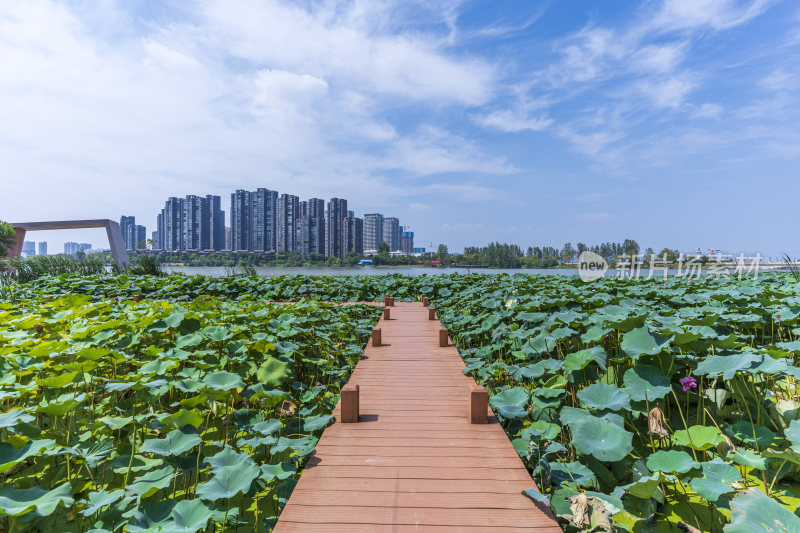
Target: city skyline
{"x":264,"y":220}
{"x":674,"y":122}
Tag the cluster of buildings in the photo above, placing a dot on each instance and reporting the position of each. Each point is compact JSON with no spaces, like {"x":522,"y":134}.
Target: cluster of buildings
{"x":29,"y":248}
{"x":265,"y":221}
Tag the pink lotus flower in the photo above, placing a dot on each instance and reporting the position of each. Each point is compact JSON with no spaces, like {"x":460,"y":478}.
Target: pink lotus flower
{"x":688,"y":383}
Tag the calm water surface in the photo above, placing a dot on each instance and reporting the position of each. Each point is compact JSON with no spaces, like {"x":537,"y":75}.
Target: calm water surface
{"x":374,"y":271}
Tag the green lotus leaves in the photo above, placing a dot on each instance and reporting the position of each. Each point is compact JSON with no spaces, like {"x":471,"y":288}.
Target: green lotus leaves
{"x":644,"y":487}
{"x":716,"y":480}
{"x":604,"y":396}
{"x":274,"y":372}
{"x":14,"y":417}
{"x":671,"y":461}
{"x":511,"y":403}
{"x":216,"y":333}
{"x":229,"y":481}
{"x":223,"y":381}
{"x":573,"y":474}
{"x":57,"y":382}
{"x":10,"y":455}
{"x":316,"y":423}
{"x":16,"y":502}
{"x":793,"y":434}
{"x":279,"y":471}
{"x":751,"y":434}
{"x":176,"y":442}
{"x":727,"y":365}
{"x":645,"y":382}
{"x":541,"y":430}
{"x":603,"y":438}
{"x":102,"y":498}
{"x":753,"y":511}
{"x":223,"y":366}
{"x":748,"y":458}
{"x":698,"y":437}
{"x":181,"y":419}
{"x":641,"y":341}
{"x":151,"y":482}
{"x":61,"y":405}
{"x":579,"y":360}
{"x":536,"y":496}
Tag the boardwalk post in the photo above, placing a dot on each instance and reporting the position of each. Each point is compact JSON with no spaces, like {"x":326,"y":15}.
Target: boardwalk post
{"x":349,"y":404}
{"x":387,"y":315}
{"x":477,"y":405}
{"x":425,"y":300}
{"x":376,"y":336}
{"x":388,"y":301}
{"x":443,"y":340}
{"x":431,"y":313}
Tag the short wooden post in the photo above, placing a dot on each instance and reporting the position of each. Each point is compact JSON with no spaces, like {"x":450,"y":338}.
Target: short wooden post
{"x":431,"y":313}
{"x":391,"y":301}
{"x":387,"y":314}
{"x":386,"y":300}
{"x":443,"y":340}
{"x":477,"y":405}
{"x":376,"y":336}
{"x":425,"y":301}
{"x":349,"y":404}
{"x":137,"y":298}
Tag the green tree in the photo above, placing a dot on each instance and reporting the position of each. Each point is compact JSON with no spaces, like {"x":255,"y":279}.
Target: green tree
{"x":442,"y":252}
{"x":383,"y":248}
{"x":7,"y":238}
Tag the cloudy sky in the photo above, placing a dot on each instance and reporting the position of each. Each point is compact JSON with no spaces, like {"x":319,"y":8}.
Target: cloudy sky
{"x":674,"y":122}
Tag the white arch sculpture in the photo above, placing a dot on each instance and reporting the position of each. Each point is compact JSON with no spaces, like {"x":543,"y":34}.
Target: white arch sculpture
{"x":115,"y":240}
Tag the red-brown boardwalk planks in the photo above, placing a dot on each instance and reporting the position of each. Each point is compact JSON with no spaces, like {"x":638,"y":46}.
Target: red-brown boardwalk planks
{"x":413,"y":462}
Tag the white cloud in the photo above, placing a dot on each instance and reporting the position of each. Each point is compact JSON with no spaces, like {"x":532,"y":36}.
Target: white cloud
{"x":707,"y":110}
{"x":334,"y":40}
{"x":130,"y":110}
{"x":658,"y":58}
{"x":512,"y":122}
{"x":669,"y":92}
{"x":717,"y":14}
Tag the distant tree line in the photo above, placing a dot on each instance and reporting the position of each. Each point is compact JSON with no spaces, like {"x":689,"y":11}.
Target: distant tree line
{"x":503,"y":255}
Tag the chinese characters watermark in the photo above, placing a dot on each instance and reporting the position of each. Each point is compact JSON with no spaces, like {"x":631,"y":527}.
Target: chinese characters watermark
{"x":591,"y":266}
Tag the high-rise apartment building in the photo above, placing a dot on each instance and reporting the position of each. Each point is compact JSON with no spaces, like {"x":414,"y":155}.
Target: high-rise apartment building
{"x":213,"y":233}
{"x":263,"y":220}
{"x":288,"y":211}
{"x":125,"y":225}
{"x":72,"y":248}
{"x":407,"y":243}
{"x":240,"y":221}
{"x":337,"y":209}
{"x":195,"y":223}
{"x":28,"y":248}
{"x":139,"y":235}
{"x":192,"y":214}
{"x":353,"y":235}
{"x":391,"y":233}
{"x":43,"y":248}
{"x":310,"y":235}
{"x":170,"y":235}
{"x":373,"y":232}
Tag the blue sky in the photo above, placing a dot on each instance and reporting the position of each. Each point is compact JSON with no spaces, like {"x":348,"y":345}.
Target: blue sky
{"x":673,"y":122}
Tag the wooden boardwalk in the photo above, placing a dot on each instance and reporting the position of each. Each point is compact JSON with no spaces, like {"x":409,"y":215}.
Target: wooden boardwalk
{"x":413,"y":462}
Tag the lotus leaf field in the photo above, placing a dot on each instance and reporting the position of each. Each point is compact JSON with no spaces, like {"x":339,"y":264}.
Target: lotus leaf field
{"x":638,"y":405}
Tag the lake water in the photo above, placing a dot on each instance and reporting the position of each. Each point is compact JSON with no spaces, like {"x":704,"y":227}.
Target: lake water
{"x":374,"y":271}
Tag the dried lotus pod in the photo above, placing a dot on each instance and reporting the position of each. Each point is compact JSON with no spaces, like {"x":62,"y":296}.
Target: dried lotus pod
{"x":656,"y":423}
